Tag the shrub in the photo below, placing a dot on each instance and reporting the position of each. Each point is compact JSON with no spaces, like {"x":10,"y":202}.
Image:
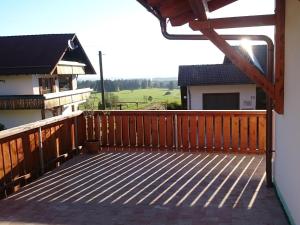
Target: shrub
{"x":111,"y":100}
{"x":174,"y":106}
{"x":168,"y":93}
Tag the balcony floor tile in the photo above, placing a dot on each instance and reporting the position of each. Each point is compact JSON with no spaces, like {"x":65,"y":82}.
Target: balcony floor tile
{"x":149,"y":188}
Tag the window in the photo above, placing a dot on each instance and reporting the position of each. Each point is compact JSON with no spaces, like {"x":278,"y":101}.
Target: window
{"x":221,"y":101}
{"x":65,"y":83}
{"x":46,"y":85}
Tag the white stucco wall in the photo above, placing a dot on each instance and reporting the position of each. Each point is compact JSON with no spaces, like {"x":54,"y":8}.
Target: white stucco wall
{"x":74,"y":82}
{"x":287,"y":158}
{"x":66,"y":109}
{"x":17,"y":85}
{"x":247,"y":94}
{"x":13,"y":118}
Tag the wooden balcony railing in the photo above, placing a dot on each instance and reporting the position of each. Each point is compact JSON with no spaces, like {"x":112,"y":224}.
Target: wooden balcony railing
{"x":28,"y":151}
{"x":46,"y":101}
{"x":227,"y":131}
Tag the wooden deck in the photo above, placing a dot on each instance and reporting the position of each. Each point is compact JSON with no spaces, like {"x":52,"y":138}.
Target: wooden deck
{"x":148,"y":188}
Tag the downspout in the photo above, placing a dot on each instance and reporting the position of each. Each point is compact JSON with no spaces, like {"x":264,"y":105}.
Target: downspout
{"x":270,"y":65}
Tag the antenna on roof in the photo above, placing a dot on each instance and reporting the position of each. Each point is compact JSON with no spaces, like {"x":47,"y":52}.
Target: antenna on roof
{"x":71,"y":45}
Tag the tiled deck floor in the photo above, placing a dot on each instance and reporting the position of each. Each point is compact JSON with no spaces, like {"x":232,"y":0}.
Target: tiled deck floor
{"x":149,"y":188}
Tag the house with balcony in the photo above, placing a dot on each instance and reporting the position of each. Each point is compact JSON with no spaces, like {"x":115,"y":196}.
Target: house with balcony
{"x":222,"y":86}
{"x":38,"y":77}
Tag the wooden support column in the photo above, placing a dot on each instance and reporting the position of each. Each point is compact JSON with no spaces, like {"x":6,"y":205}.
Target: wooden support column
{"x":279,"y":55}
{"x":240,"y":61}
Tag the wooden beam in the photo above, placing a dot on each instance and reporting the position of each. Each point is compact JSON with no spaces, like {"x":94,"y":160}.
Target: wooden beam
{"x":198,"y":9}
{"x":279,"y":55}
{"x":173,"y":8}
{"x":182,"y":19}
{"x":217,"y":4}
{"x":234,"y":22}
{"x":240,"y":61}
{"x":154,"y":3}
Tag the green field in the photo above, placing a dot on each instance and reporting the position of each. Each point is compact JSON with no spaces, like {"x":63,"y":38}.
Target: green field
{"x":159,"y":96}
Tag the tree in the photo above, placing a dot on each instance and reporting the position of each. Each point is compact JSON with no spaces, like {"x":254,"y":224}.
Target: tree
{"x":171,"y":85}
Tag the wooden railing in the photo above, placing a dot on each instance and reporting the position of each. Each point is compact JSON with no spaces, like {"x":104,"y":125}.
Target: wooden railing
{"x":28,"y":151}
{"x":46,"y":101}
{"x":226,"y":131}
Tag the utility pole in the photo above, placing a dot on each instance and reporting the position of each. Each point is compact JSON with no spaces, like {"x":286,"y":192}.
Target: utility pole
{"x":101,"y":80}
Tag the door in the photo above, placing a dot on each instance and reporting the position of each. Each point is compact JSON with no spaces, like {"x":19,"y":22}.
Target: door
{"x":221,"y":101}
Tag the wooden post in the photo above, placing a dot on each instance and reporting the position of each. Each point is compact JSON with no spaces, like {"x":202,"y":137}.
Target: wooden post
{"x":279,"y":55}
{"x":41,"y":153}
{"x":269,"y":127}
{"x":101,"y":80}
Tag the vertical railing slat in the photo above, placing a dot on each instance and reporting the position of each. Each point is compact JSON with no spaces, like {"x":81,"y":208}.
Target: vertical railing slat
{"x":154,"y":131}
{"x":118,"y":130}
{"x":90,"y":125}
{"x":111,"y":130}
{"x":81,"y":130}
{"x":193,"y":132}
{"x":185,"y":132}
{"x":132,"y":130}
{"x":244,"y":133}
{"x":226,"y":133}
{"x":262,"y":133}
{"x":125,"y":131}
{"x":1,"y":166}
{"x":253,"y":133}
{"x":14,"y":162}
{"x":104,"y":140}
{"x":170,"y":132}
{"x":201,"y":132}
{"x":235,"y":133}
{"x":218,"y":133}
{"x":179,"y":132}
{"x":147,"y":131}
{"x":209,"y":121}
{"x":162,"y":131}
{"x":97,"y":126}
{"x":140,"y":130}
{"x":7,"y":162}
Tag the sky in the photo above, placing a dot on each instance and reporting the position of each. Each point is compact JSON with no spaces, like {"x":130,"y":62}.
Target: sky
{"x":126,"y":33}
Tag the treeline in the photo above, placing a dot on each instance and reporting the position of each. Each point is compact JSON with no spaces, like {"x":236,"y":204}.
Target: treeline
{"x":126,"y":84}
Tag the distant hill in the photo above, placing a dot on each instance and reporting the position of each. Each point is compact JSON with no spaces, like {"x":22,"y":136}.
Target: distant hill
{"x":164,"y":79}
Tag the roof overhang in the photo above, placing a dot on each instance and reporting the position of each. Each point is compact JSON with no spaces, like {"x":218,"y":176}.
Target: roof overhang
{"x":77,"y":57}
{"x":194,"y":12}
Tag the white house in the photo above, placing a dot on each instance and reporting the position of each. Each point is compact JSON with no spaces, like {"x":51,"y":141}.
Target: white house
{"x":220,"y":86}
{"x":38,"y":77}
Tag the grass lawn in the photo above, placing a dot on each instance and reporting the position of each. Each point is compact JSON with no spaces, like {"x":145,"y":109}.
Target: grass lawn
{"x":158,"y":95}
